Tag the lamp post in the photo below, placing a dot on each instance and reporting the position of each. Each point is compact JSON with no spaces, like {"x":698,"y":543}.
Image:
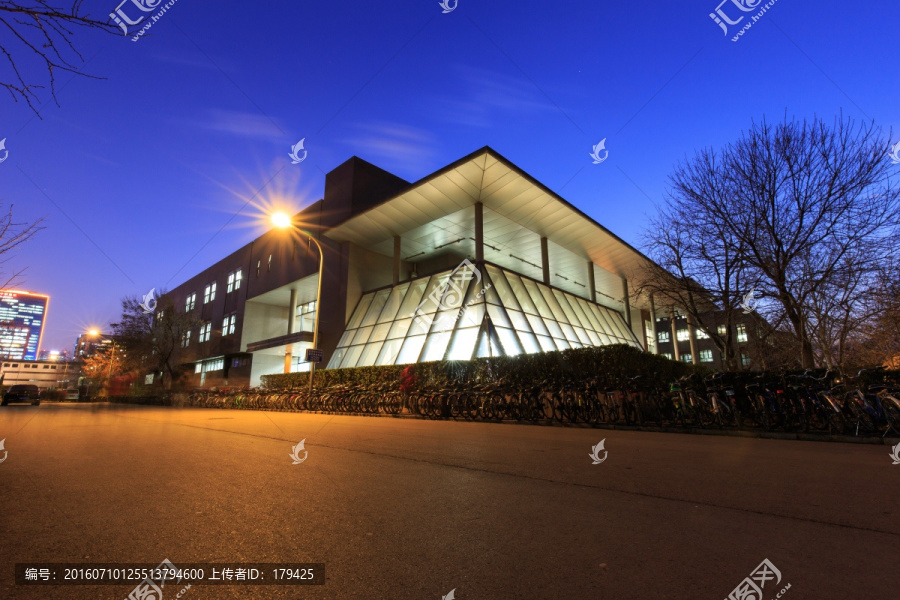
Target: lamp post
{"x":284,"y":221}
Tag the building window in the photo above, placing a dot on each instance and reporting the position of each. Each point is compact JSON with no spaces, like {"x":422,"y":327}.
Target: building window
{"x":190,"y":303}
{"x":160,"y":314}
{"x":721,"y":329}
{"x":667,"y":355}
{"x":682,"y":335}
{"x":745,"y":360}
{"x":663,"y":336}
{"x":687,"y":358}
{"x":228,"y":325}
{"x":269,"y":267}
{"x":306,"y":314}
{"x":706,"y":356}
{"x":239,"y":362}
{"x":186,"y":339}
{"x":198,"y":367}
{"x":741,"y":332}
{"x":234,"y":281}
{"x":204,"y":331}
{"x":209,"y":294}
{"x":258,"y":264}
{"x":702,"y":335}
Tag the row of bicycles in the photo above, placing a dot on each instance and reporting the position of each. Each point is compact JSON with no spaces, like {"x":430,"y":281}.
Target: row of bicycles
{"x":867,"y":404}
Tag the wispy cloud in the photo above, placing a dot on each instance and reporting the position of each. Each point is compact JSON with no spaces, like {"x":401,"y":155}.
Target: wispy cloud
{"x":394,"y":146}
{"x":483,"y":96}
{"x":243,"y":124}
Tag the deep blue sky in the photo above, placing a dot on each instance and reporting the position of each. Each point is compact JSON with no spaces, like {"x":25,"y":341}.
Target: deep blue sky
{"x":150,"y":163}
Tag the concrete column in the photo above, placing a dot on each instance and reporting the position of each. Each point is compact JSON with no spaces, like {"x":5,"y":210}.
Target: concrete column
{"x":627,"y":302}
{"x":396,"y":259}
{"x":479,"y":233}
{"x":592,"y":284}
{"x":292,"y":315}
{"x":545,"y":260}
{"x":674,"y":334}
{"x":692,"y":332}
{"x":653,"y":325}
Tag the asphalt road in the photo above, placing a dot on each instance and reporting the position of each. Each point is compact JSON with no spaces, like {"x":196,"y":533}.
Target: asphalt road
{"x":401,"y":508}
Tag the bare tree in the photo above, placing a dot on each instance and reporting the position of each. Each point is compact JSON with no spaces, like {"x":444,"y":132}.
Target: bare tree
{"x":808,"y":207}
{"x":40,"y":36}
{"x":12,"y":235}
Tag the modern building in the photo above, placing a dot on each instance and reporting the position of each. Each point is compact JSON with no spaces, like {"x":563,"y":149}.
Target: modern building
{"x":751,"y":336}
{"x":88,"y":343}
{"x":476,"y":259}
{"x":45,"y":374}
{"x":22,"y":319}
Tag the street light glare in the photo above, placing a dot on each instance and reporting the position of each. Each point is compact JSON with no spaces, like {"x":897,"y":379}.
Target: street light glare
{"x":93,"y":332}
{"x":281,"y":220}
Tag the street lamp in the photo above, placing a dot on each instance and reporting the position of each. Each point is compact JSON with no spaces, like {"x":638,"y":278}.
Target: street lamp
{"x":284,"y":221}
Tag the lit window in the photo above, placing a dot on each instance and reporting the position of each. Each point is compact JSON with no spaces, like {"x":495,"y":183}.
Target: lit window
{"x":197,"y":367}
{"x":702,"y":335}
{"x":721,"y":329}
{"x":258,"y":263}
{"x":228,"y":325}
{"x":682,"y":335}
{"x":159,"y":315}
{"x":706,"y":356}
{"x":190,"y":302}
{"x":269,"y":267}
{"x":687,"y":358}
{"x":745,"y":360}
{"x":186,"y":339}
{"x":234,"y":281}
{"x":663,"y":336}
{"x":741,"y":332}
{"x":209,"y":294}
{"x":204,"y":332}
{"x":667,"y":355}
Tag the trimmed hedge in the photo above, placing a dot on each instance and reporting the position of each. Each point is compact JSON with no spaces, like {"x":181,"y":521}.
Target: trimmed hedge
{"x":610,"y":364}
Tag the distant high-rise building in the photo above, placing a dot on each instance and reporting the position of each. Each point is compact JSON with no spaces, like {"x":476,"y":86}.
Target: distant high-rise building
{"x":22,"y":318}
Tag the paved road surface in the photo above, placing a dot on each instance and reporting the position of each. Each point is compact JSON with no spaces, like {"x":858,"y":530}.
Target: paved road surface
{"x":412,"y":509}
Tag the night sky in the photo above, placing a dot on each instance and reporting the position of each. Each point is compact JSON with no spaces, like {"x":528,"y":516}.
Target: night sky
{"x":144,"y":177}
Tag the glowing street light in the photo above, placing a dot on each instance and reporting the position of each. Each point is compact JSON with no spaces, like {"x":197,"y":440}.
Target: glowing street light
{"x":284,"y":221}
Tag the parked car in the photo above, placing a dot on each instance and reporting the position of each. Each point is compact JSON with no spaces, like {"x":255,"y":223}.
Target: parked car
{"x":22,"y":393}
{"x":72,"y":394}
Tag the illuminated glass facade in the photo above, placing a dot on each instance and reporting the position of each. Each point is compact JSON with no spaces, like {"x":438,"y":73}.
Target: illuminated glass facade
{"x":22,"y":318}
{"x":467,"y":313}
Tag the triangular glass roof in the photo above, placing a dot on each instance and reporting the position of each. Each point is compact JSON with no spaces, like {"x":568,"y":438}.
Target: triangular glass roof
{"x":467,"y":313}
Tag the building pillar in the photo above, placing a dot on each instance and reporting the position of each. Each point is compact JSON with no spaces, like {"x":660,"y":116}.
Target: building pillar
{"x":545,"y":260}
{"x":692,"y":333}
{"x":627,"y":302}
{"x":674,"y":333}
{"x":653,"y":326}
{"x":396,"y":259}
{"x":479,"y":233}
{"x":592,"y":284}
{"x":292,"y":315}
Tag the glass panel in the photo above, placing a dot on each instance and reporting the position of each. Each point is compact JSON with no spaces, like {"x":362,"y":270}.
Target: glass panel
{"x":507,"y":297}
{"x":591,"y":317}
{"x":519,"y":322}
{"x":336,"y":358}
{"x":472,"y":315}
{"x":583,"y":336}
{"x":399,"y":328}
{"x":487,"y":346}
{"x":594,"y":337}
{"x":537,"y":325}
{"x":457,"y":286}
{"x":375,"y":308}
{"x":538,"y":299}
{"x":569,"y":331}
{"x":498,"y":316}
{"x":380,"y":332}
{"x":352,"y":356}
{"x":345,"y":339}
{"x":361,"y":309}
{"x":521,"y":293}
{"x":529,"y":342}
{"x":553,"y":328}
{"x":575,"y":303}
{"x":603,"y":316}
{"x":546,"y":343}
{"x":436,"y":346}
{"x":558,"y":313}
{"x":362,"y":335}
{"x":446,"y":320}
{"x":463,"y":344}
{"x":490,"y":293}
{"x":389,"y":352}
{"x":409,"y":353}
{"x":370,"y":353}
{"x":433,"y":294}
{"x":421,"y":324}
{"x":412,"y":298}
{"x":561,"y":344}
{"x":571,"y":317}
{"x":389,"y":313}
{"x":509,"y":341}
